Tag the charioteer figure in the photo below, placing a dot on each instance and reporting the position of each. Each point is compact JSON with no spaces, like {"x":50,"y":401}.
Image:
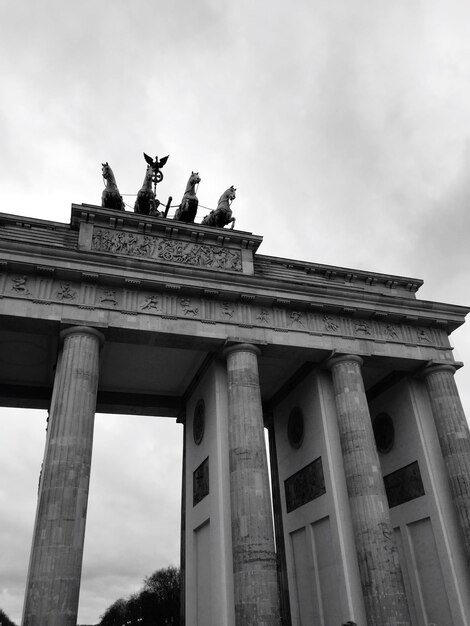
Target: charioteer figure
{"x":146,"y":202}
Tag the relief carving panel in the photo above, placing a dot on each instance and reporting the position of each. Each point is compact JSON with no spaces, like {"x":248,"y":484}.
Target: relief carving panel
{"x":305,"y":485}
{"x":404,"y":485}
{"x":201,"y":482}
{"x":209,"y":309}
{"x":170,"y":250}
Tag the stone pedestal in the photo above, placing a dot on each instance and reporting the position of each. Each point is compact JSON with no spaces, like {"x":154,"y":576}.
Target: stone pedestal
{"x":254,"y":561}
{"x":381,"y":578}
{"x":454,"y":439}
{"x":56,"y":557}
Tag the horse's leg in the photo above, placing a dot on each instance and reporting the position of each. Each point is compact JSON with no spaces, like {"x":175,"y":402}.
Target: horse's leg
{"x":233,"y":222}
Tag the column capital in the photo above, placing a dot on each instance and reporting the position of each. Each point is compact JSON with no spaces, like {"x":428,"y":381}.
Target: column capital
{"x":82,"y":330}
{"x":344,"y":358}
{"x":438,"y":367}
{"x":242,"y":347}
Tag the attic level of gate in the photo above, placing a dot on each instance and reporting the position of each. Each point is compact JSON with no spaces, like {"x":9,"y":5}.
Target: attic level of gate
{"x":168,"y":296}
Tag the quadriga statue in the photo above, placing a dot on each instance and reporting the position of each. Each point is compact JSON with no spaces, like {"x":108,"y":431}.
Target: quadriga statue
{"x":110,"y":198}
{"x":146,"y":202}
{"x":186,"y":212}
{"x":222,"y":215}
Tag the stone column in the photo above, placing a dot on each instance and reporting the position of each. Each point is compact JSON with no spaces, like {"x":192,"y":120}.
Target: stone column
{"x":381,"y":578}
{"x":254,"y":559}
{"x":56,"y":557}
{"x":454,"y":439}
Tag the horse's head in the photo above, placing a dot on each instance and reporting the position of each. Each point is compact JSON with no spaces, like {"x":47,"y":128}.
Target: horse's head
{"x":194,"y":178}
{"x":149,"y":173}
{"x":231,"y":195}
{"x":105,"y":169}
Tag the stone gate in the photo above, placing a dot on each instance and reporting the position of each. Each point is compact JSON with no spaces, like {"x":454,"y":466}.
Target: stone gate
{"x":351,"y":374}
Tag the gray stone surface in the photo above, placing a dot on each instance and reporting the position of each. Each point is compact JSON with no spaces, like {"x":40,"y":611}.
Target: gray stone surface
{"x":56,"y":557}
{"x":381,"y":577}
{"x":168,"y":295}
{"x":254,"y":559}
{"x":454,"y":438}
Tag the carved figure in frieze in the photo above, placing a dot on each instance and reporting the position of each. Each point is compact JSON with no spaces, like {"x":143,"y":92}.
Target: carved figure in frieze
{"x":330,"y":323}
{"x":123,"y":243}
{"x":151,"y":302}
{"x":226,"y":259}
{"x":66,"y":292}
{"x":145,"y":247}
{"x":362,"y":327}
{"x":222,"y":215}
{"x":391,"y":331}
{"x":423,"y":335}
{"x":186,"y":212}
{"x":227,"y":309}
{"x":110,"y":198}
{"x":19,"y":285}
{"x":295,"y":318}
{"x":109,"y":295}
{"x":188,"y":308}
{"x":263,"y":315}
{"x":199,"y":255}
{"x":102,"y":240}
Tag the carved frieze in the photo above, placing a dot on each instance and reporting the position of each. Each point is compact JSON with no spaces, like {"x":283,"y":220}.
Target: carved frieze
{"x":295,"y":319}
{"x":361,"y":329}
{"x":331,"y":324}
{"x":391,"y":331}
{"x":423,"y":335}
{"x":169,"y":250}
{"x":305,"y":485}
{"x":19,"y":285}
{"x":171,"y":302}
{"x":65,"y":292}
{"x":189,"y":308}
{"x":227,"y":310}
{"x":201,"y":482}
{"x":404,"y":484}
{"x":151,"y":303}
{"x":108,"y":297}
{"x":264,"y":316}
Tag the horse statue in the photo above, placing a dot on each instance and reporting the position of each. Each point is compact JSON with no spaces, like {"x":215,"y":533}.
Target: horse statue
{"x":186,"y":212}
{"x":110,"y":198}
{"x":222,"y":215}
{"x":146,"y":202}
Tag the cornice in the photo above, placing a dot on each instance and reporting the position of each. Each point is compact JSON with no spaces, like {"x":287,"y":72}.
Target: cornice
{"x":327,"y":289}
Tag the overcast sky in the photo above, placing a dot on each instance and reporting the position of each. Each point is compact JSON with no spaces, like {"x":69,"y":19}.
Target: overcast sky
{"x":344,"y":125}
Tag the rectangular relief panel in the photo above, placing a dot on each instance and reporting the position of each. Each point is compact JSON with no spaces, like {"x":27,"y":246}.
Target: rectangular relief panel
{"x":305,"y":485}
{"x":404,"y":485}
{"x":203,"y":574}
{"x":435,"y":604}
{"x":201,"y":482}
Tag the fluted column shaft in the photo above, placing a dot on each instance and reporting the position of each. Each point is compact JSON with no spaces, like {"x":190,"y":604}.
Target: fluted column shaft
{"x":56,"y":557}
{"x":454,"y":438}
{"x":254,"y":560}
{"x":381,"y":578}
